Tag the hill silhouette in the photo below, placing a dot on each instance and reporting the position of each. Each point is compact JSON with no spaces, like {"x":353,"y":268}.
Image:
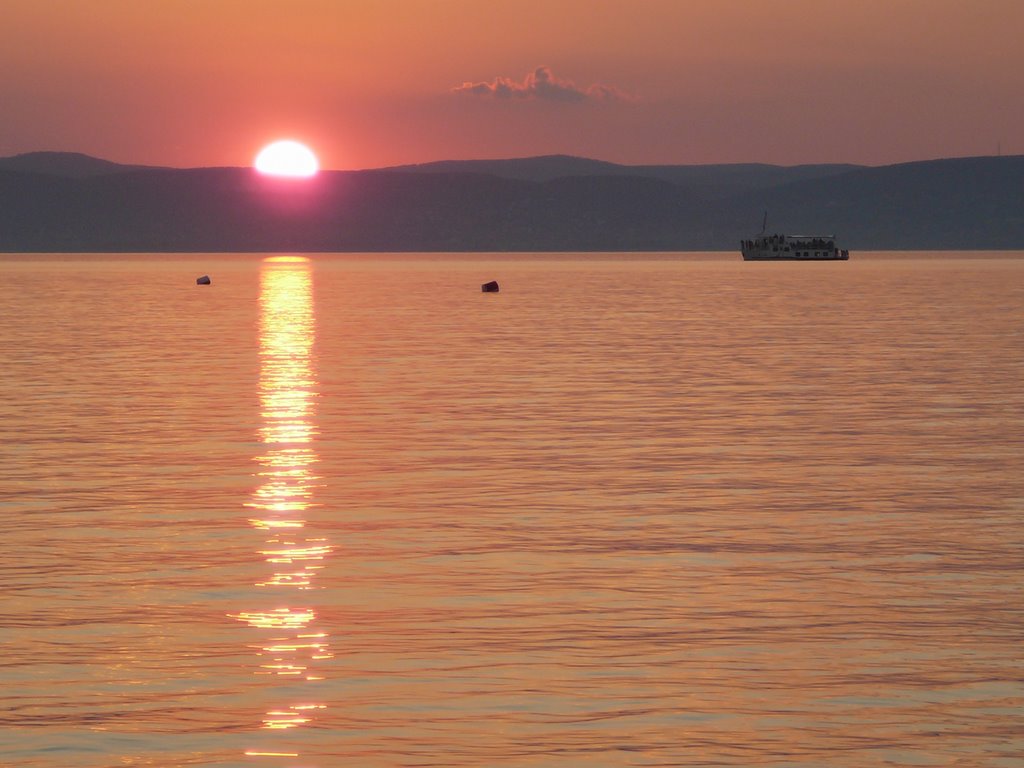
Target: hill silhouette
{"x":72,"y":165}
{"x":706,"y":180}
{"x":60,"y":202}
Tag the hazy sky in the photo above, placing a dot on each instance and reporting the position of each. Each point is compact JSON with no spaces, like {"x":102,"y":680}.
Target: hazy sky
{"x":368,"y":84}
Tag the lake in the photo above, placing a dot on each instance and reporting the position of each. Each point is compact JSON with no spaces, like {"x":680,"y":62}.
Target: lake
{"x":633,"y":510}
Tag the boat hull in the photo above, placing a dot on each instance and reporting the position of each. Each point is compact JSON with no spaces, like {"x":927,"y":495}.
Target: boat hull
{"x":776,"y":257}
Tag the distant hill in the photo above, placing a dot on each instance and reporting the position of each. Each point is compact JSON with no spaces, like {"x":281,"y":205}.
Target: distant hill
{"x":964,"y":203}
{"x":72,"y":165}
{"x":531,"y":204}
{"x":708,"y":180}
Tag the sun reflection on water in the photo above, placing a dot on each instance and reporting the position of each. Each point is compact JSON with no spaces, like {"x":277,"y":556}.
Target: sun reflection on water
{"x":290,"y":645}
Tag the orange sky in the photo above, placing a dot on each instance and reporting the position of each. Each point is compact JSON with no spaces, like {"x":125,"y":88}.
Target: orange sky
{"x":370,"y":84}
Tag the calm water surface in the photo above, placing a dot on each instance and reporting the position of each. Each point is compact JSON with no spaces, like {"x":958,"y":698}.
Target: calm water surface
{"x":646,"y":511}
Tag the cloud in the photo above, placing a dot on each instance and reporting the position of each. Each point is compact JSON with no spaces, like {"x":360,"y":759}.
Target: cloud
{"x":542,"y":85}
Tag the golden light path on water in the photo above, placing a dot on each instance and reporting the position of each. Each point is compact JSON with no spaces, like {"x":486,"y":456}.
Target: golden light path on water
{"x":290,"y":643}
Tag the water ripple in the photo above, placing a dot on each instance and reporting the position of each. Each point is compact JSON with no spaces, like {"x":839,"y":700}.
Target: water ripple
{"x":628,"y":512}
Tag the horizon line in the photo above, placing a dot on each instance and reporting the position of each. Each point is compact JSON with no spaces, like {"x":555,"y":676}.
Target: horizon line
{"x":146,"y":166}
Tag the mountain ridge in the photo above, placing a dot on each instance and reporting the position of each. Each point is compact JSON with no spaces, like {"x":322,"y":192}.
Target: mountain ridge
{"x":550,"y":203}
{"x":74,"y":165}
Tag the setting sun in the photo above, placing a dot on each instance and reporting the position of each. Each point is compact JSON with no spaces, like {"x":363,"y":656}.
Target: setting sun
{"x":287,"y":158}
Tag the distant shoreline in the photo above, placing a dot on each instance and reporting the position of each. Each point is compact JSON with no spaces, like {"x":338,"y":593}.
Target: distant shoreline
{"x":869,"y":255}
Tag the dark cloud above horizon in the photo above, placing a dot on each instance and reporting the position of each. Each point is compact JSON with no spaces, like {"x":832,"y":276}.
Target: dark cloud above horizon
{"x":542,"y":85}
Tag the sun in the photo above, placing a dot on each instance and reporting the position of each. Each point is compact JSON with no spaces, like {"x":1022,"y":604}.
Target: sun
{"x":287,"y":158}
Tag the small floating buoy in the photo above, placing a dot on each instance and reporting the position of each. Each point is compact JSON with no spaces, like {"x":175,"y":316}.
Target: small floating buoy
{"x":204,"y":280}
{"x":491,"y":287}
